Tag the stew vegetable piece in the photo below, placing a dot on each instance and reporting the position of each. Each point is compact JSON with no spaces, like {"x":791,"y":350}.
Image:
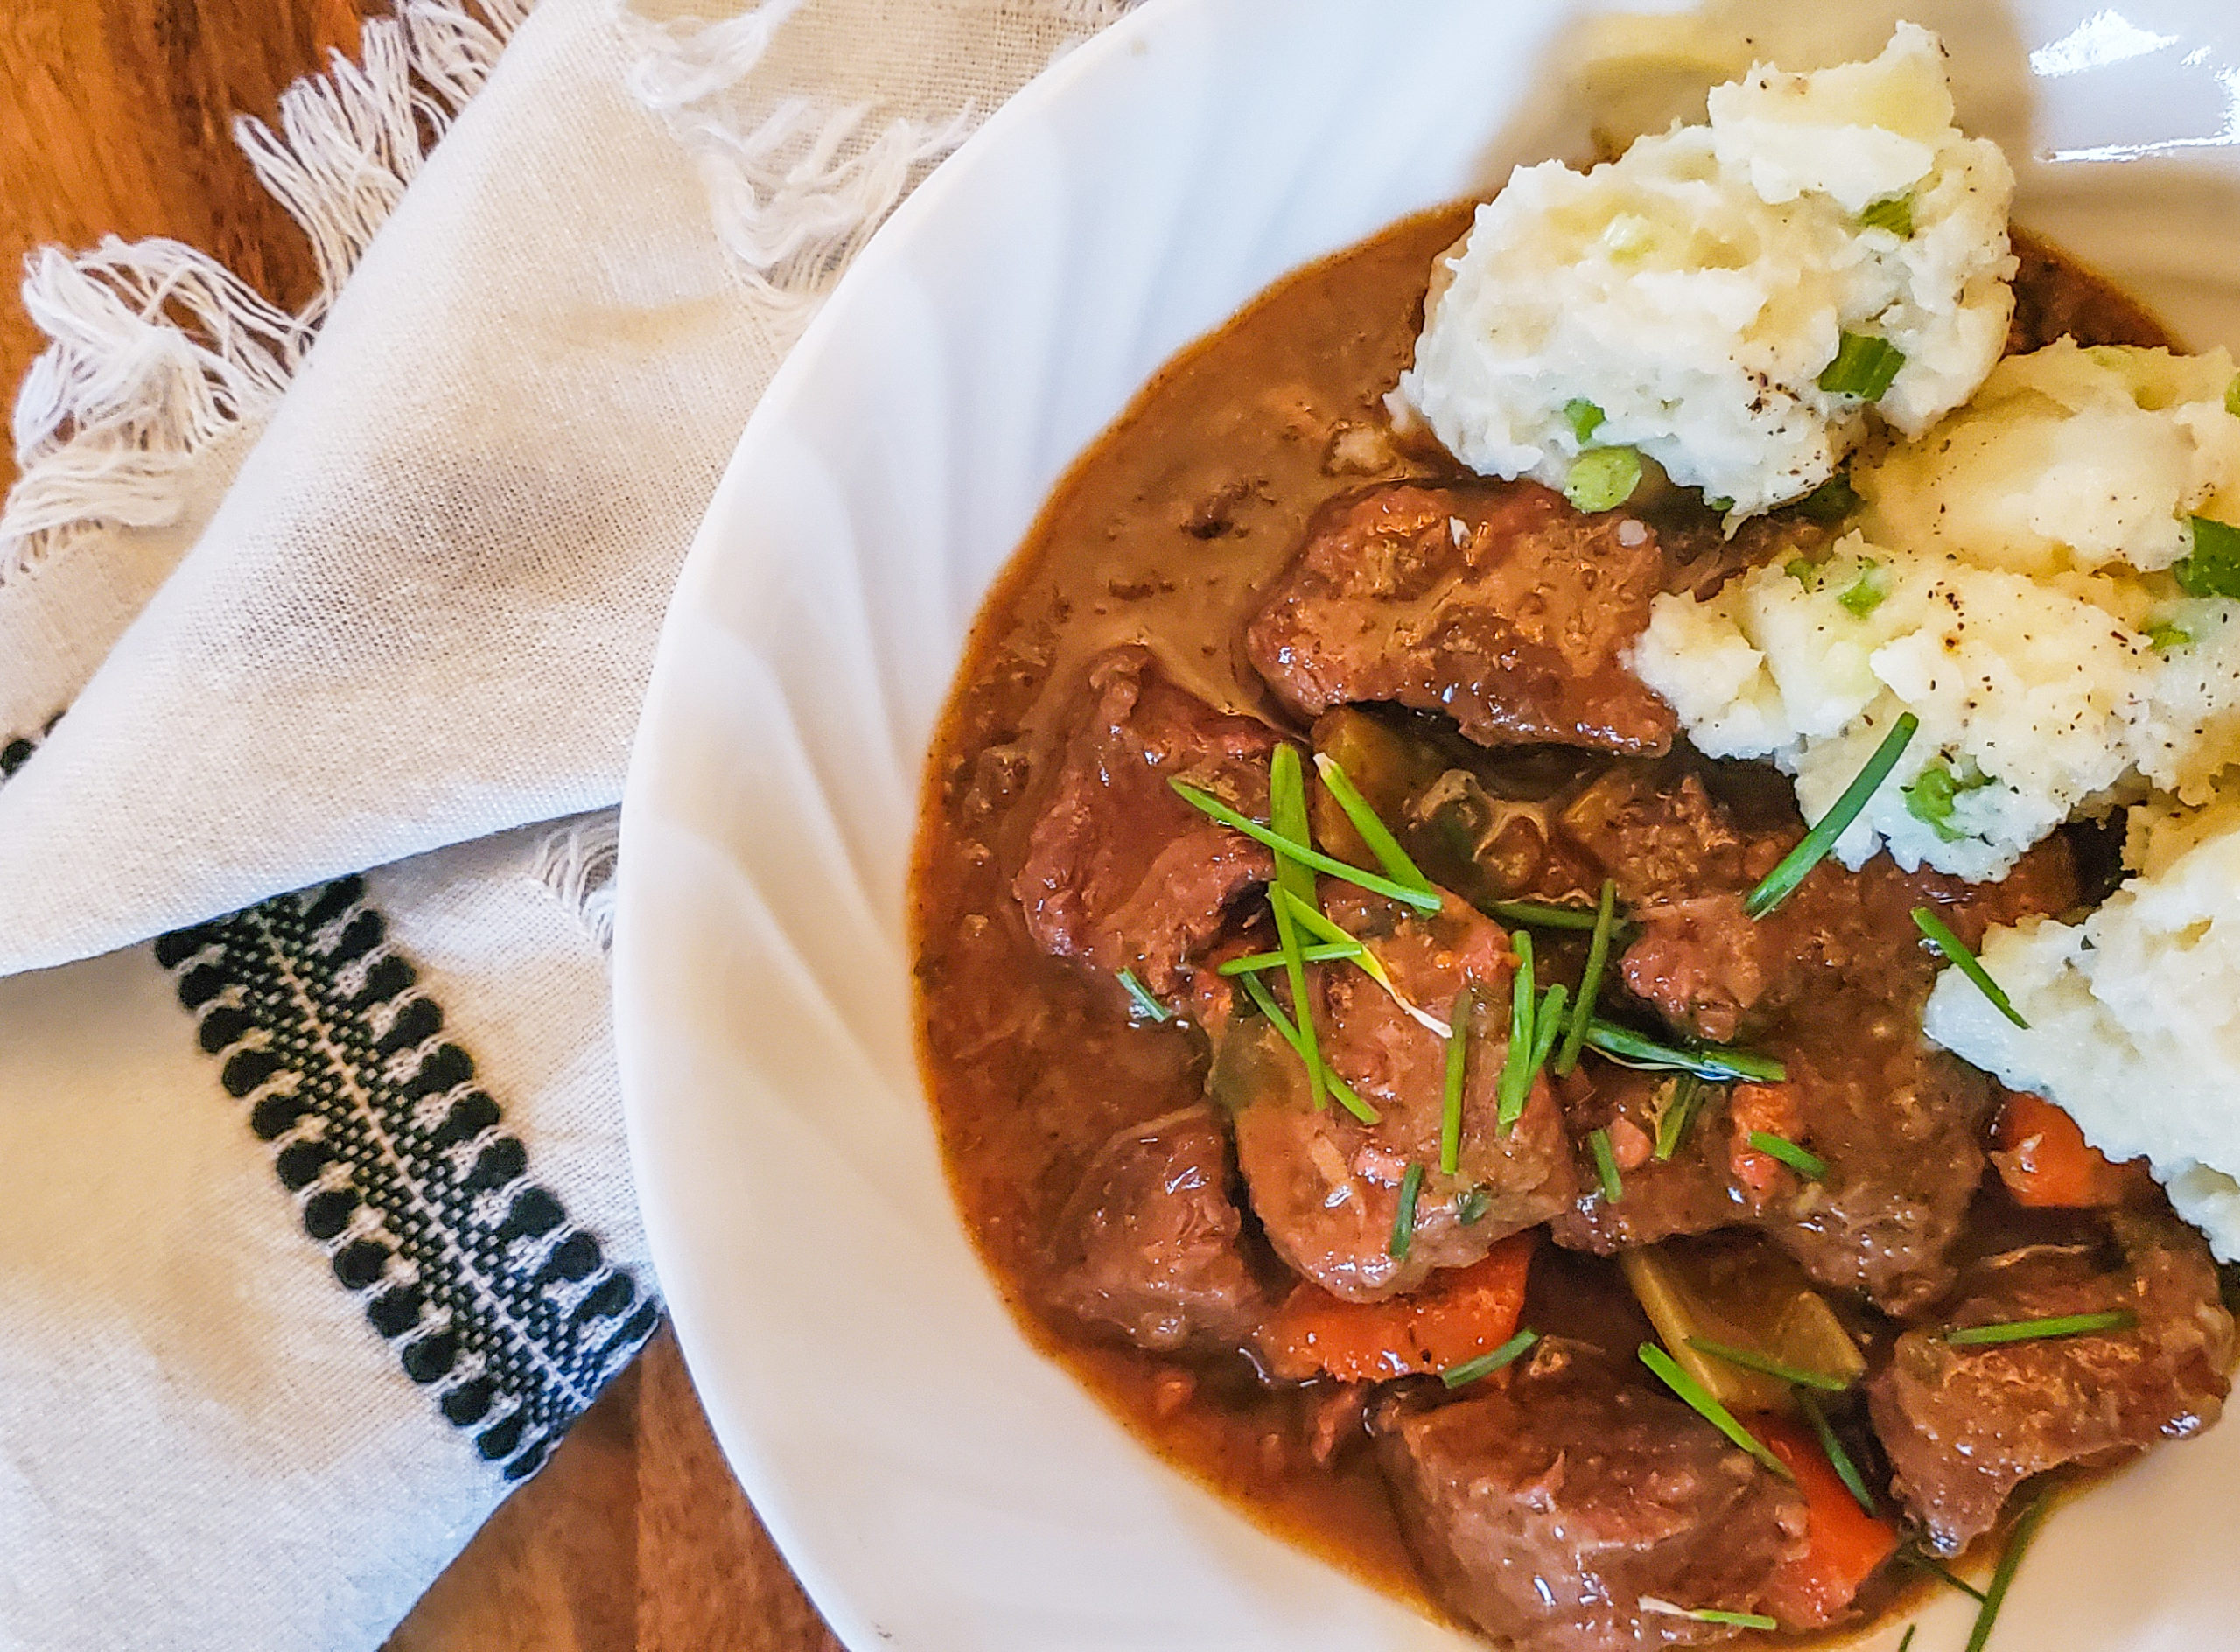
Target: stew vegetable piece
{"x":1321,"y":1151}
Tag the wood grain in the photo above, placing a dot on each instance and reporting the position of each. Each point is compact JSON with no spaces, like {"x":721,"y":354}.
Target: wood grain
{"x":116,"y":118}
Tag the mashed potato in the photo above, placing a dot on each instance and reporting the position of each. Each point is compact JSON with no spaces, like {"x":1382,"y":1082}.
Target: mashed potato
{"x":2014,"y":588}
{"x":2134,"y":1024}
{"x":1685,"y":300}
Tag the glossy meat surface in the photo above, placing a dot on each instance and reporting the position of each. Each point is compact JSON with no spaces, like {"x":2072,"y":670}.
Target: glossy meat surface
{"x":1497,"y":604}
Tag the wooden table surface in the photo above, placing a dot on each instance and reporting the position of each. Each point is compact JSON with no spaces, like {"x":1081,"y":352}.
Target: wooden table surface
{"x":114,"y":118}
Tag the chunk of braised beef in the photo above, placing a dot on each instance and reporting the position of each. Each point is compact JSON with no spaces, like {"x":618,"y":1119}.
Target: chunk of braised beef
{"x":1964,"y":1426}
{"x":1690,"y":1192}
{"x":1327,"y":1186}
{"x":1494,"y":602}
{"x":1152,"y":1242}
{"x":1119,"y":871}
{"x":1551,"y":1501}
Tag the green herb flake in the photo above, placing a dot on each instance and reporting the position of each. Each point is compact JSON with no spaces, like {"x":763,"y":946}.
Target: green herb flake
{"x":1403,"y":1219}
{"x":1585,"y":418}
{"x":1146,"y":1007}
{"x":1936,"y":790}
{"x":1956,"y":952}
{"x":1305,"y":854}
{"x":1485,"y":1364}
{"x":1781,"y":882}
{"x":1804,"y":570}
{"x":1895,"y":214}
{"x":1834,"y":501}
{"x":2232,"y":396}
{"x":1811,"y":1166}
{"x":1603,"y":479}
{"x":1590,"y":983}
{"x":1606,"y":1165}
{"x":2025,"y":1528}
{"x":1374,"y":832}
{"x":2213,"y":569}
{"x":1796,"y":1377}
{"x":1977,"y":1336}
{"x":1839,"y":1458}
{"x":1864,"y":366}
{"x":1700,"y":1399}
{"x":1866,"y":593}
{"x":1458,"y":1056}
{"x":2163,"y":635}
{"x":1473,"y":1207}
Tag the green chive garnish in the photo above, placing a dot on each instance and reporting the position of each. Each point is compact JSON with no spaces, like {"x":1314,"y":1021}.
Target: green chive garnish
{"x":1267,"y":1006}
{"x":1258,"y":962}
{"x":2025,"y":1530}
{"x":1864,"y":366}
{"x":1908,"y":1556}
{"x":1538,"y":914}
{"x":1606,"y":1165}
{"x":1374,"y":832}
{"x":2162,"y":635}
{"x":1700,"y":1399}
{"x":1474,"y":1205}
{"x":1603,"y":479}
{"x":2213,"y":570}
{"x":1516,"y":1062}
{"x":1781,"y":882}
{"x":1811,"y":1166}
{"x":1715,"y":1061}
{"x":1977,"y":1336}
{"x":1865,"y":594}
{"x":1677,"y":1112}
{"x":1906,"y":1642}
{"x":1956,"y":952}
{"x":1936,"y":790}
{"x":1146,"y":1005}
{"x":1404,"y":1220}
{"x":1895,"y":215}
{"x":1590,"y":985}
{"x":1708,"y":1614}
{"x":1585,"y":418}
{"x":1793,"y":1374}
{"x":1300,"y":851}
{"x":1547,"y":1025}
{"x":1839,"y":1458}
{"x":1287,"y":814}
{"x":1485,"y":1364}
{"x":1458,"y":1056}
{"x":1832,"y":501}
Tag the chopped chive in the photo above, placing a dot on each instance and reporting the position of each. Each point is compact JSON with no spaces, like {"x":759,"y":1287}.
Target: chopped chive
{"x":1318,"y":922}
{"x":1287,"y":813}
{"x":1795,"y":1376}
{"x":1603,"y":479}
{"x":1517,"y":1061}
{"x":1976,"y":1336}
{"x":2162,"y":635}
{"x":1539,"y":914}
{"x":1811,"y":1166}
{"x":1936,"y":790}
{"x":1585,"y":418}
{"x":1298,"y":850}
{"x":1403,"y":1219}
{"x":1928,"y":1568}
{"x":1714,"y":1061}
{"x":1331,"y":953}
{"x":1832,"y":501}
{"x":1590,"y":985}
{"x":1956,"y":952}
{"x":2213,"y":569}
{"x":1267,"y":1006}
{"x":2025,"y":1530}
{"x":1781,"y":882}
{"x":1547,"y":1023}
{"x":1865,"y":594}
{"x":1832,"y":1449}
{"x":1374,"y":832}
{"x":2232,"y":396}
{"x":1146,"y":1005}
{"x":1894,"y":214}
{"x":1700,"y":1399}
{"x":1458,"y":1056}
{"x":1474,"y":1205}
{"x":1677,"y":1112}
{"x":1485,"y":1364}
{"x":1708,"y":1614}
{"x":1906,"y":1640}
{"x":1606,"y":1165}
{"x":1864,"y":366}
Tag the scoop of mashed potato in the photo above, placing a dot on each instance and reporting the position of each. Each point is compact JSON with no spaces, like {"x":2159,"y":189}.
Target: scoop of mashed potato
{"x":2134,"y":1026}
{"x":1685,"y":300}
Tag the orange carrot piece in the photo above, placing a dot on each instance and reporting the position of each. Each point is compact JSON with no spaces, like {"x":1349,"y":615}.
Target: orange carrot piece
{"x":1843,"y":1544}
{"x":2045,"y":1163}
{"x":1461,"y":1313}
{"x":1770,"y":1108}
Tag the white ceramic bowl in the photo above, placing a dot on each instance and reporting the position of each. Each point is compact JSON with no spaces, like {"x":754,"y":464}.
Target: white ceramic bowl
{"x":938,"y":1485}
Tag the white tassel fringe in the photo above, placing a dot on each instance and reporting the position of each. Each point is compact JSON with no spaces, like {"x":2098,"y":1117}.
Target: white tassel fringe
{"x":576,"y":865}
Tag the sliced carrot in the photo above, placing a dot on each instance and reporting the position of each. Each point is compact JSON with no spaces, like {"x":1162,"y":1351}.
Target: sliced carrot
{"x":1461,"y":1313}
{"x":1770,"y":1108}
{"x":1843,"y":1544}
{"x":2045,"y":1161}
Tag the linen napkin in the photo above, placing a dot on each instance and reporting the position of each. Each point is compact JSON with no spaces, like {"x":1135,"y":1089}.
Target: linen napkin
{"x":316,"y":1229}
